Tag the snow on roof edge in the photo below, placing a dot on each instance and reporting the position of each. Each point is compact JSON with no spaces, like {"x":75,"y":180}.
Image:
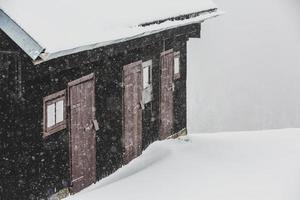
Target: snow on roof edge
{"x":44,"y":57}
{"x":178,"y":17}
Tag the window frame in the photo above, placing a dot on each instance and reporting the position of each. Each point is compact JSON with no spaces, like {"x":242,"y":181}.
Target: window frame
{"x":47,"y":101}
{"x":177,"y":75}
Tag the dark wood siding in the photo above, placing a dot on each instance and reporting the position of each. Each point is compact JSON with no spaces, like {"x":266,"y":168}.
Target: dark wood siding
{"x":34,"y":167}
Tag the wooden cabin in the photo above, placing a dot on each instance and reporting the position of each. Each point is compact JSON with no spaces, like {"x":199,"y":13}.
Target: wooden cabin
{"x":83,"y":95}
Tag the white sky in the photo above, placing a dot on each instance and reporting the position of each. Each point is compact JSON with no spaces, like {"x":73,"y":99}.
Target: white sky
{"x":244,"y":71}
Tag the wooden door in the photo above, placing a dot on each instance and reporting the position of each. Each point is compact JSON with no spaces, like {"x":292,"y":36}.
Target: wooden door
{"x":82,"y":132}
{"x":166,"y":94}
{"x":132,"y":134}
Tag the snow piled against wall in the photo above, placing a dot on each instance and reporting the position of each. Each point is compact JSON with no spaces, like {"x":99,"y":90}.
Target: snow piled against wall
{"x":261,"y":165}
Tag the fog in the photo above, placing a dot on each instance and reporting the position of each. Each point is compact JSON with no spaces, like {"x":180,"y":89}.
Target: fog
{"x":244,"y":73}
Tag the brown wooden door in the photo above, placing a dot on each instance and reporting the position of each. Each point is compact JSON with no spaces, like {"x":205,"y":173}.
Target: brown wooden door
{"x":82,"y":132}
{"x":166,"y":94}
{"x":132,"y":135}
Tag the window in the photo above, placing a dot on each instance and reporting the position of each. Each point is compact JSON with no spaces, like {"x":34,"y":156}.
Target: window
{"x":54,"y":113}
{"x":147,"y":81}
{"x":177,"y":65}
{"x":147,"y":74}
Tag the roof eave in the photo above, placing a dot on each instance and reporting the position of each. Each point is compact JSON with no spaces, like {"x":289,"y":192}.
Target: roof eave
{"x":44,"y":57}
{"x":32,"y":48}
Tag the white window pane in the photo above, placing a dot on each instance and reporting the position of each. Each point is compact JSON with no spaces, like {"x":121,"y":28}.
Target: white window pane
{"x":176,"y":65}
{"x":146,"y":77}
{"x":50,"y":115}
{"x":59,"y":111}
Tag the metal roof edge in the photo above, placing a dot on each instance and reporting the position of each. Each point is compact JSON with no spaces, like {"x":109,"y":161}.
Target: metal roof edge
{"x":32,"y":48}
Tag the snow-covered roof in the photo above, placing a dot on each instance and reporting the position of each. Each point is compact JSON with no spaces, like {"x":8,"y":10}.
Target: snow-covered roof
{"x":63,"y":27}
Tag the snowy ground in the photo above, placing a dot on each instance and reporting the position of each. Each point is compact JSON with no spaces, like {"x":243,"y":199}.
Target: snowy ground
{"x":262,"y":165}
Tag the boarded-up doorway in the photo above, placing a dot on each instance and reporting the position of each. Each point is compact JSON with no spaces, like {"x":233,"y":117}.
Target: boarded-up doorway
{"x":10,"y":70}
{"x":82,"y":132}
{"x":132,"y":119}
{"x":166,"y":94}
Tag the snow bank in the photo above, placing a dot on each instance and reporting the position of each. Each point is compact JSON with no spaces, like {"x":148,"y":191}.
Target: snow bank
{"x":261,"y":165}
{"x":59,"y":25}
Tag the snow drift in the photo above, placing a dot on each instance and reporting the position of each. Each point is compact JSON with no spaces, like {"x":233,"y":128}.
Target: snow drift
{"x":262,"y":165}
